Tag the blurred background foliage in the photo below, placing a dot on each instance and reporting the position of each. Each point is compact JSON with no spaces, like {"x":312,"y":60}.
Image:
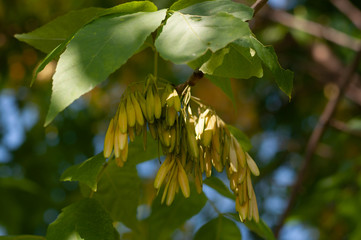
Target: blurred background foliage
{"x":32,"y":157}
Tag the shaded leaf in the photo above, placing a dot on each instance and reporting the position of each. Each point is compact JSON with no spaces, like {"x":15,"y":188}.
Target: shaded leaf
{"x":225,"y":85}
{"x":236,"y":62}
{"x":194,"y":35}
{"x":165,"y":219}
{"x":284,"y":78}
{"x":209,"y":8}
{"x":220,"y":228}
{"x":118,"y":191}
{"x":136,"y":151}
{"x":180,"y":4}
{"x":52,"y":34}
{"x":96,"y":51}
{"x":219,"y":186}
{"x":85,"y":219}
{"x":260,"y":228}
{"x":197,"y":63}
{"x":22,"y":237}
{"x":241,"y":137}
{"x":86,"y":172}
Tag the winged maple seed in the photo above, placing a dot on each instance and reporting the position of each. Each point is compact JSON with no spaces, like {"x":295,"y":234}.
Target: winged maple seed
{"x":193,"y":138}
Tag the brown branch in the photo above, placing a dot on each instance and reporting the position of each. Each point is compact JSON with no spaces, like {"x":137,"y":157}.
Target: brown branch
{"x":316,"y":136}
{"x":341,"y":126}
{"x":349,"y":10}
{"x":314,"y":29}
{"x":258,"y":5}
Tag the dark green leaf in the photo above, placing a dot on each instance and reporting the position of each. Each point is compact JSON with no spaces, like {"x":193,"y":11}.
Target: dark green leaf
{"x":136,"y":151}
{"x":119,"y":191}
{"x":96,"y":51}
{"x":260,"y":228}
{"x":241,"y":137}
{"x":194,"y":35}
{"x":86,"y":172}
{"x":53,"y":54}
{"x":51,"y":35}
{"x":220,"y":228}
{"x":234,"y":61}
{"x":165,"y":219}
{"x":85,"y":219}
{"x":22,"y":237}
{"x":210,"y":8}
{"x":284,"y":78}
{"x":197,"y":63}
{"x":225,"y":85}
{"x":219,"y":186}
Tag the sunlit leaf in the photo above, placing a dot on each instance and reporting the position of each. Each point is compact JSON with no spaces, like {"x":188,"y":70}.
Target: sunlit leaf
{"x":219,"y":186}
{"x":180,"y":4}
{"x":209,"y":8}
{"x":241,"y":137}
{"x":165,"y":219}
{"x":52,"y":34}
{"x":96,"y":51}
{"x":261,"y":229}
{"x":220,"y":228}
{"x":194,"y":35}
{"x":119,"y":191}
{"x":86,"y":172}
{"x":85,"y":219}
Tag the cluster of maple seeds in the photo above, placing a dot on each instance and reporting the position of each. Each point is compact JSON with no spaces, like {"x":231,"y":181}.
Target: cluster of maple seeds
{"x":192,"y":142}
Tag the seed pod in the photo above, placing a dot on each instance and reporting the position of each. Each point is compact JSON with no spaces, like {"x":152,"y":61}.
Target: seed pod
{"x":207,"y":133}
{"x":173,"y":138}
{"x":200,"y":126}
{"x":165,"y":95}
{"x":191,"y":138}
{"x":122,"y":118}
{"x":240,"y":153}
{"x":198,"y":179}
{"x":176,"y":100}
{"x":233,"y":181}
{"x":243,"y":211}
{"x":123,"y":140}
{"x":255,"y":213}
{"x":241,"y":175}
{"x":109,"y":140}
{"x":249,"y":184}
{"x":130,"y":112}
{"x":117,"y":134}
{"x":252,"y":165}
{"x":226,"y":147}
{"x":201,"y":159}
{"x":183,"y":180}
{"x":216,"y":145}
{"x":233,"y":158}
{"x":166,"y":137}
{"x":162,"y":172}
{"x":216,"y":161}
{"x":208,"y":163}
{"x":138,"y":111}
{"x":172,"y":188}
{"x":171,"y":115}
{"x":170,"y":97}
{"x":150,"y":105}
{"x":131,"y":133}
{"x":124,"y":152}
{"x":119,"y":162}
{"x":142,"y":104}
{"x":153,"y":131}
{"x":157,"y":105}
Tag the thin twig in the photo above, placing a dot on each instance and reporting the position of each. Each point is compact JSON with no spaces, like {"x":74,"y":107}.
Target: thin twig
{"x":341,"y":126}
{"x":258,"y":5}
{"x":314,"y":29}
{"x":349,"y":10}
{"x":316,"y":136}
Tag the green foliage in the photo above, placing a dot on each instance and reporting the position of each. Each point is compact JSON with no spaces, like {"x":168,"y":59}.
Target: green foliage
{"x":22,"y":237}
{"x":165,"y":219}
{"x":86,"y":172}
{"x":219,"y":186}
{"x":241,"y":137}
{"x":85,"y":219}
{"x":86,"y":62}
{"x":119,"y":191}
{"x":220,"y":228}
{"x":194,"y":35}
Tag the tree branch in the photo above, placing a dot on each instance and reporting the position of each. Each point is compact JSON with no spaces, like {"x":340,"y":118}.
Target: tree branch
{"x":314,"y":29}
{"x":317,"y":134}
{"x":349,"y":10}
{"x":258,"y":5}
